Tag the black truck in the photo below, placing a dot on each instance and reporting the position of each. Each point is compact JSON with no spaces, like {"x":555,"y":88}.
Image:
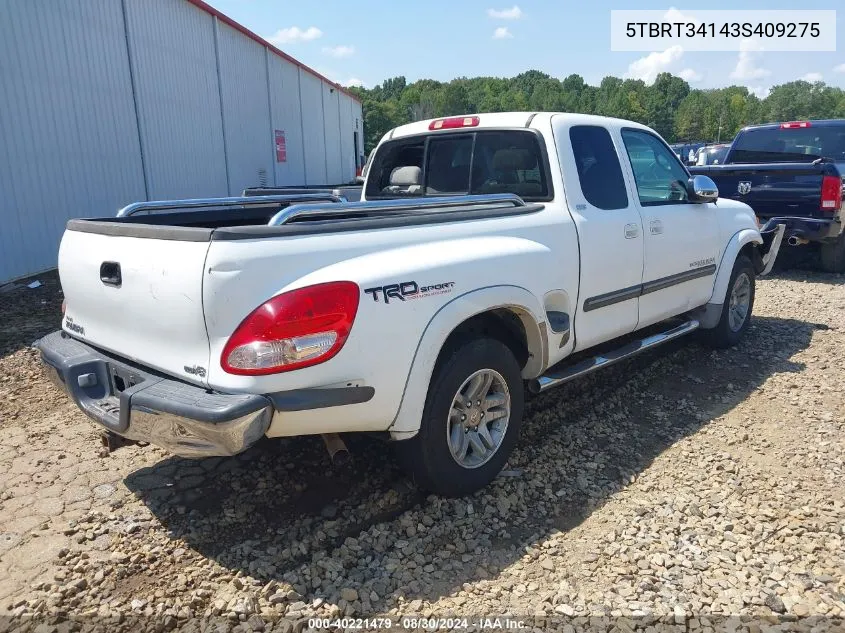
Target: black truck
{"x":791,"y":173}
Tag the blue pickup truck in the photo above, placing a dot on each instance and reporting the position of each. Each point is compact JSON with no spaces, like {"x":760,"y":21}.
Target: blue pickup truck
{"x":791,"y":173}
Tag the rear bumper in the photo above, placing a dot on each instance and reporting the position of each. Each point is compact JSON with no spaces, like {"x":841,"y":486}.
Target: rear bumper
{"x":810,"y":229}
{"x":140,"y":405}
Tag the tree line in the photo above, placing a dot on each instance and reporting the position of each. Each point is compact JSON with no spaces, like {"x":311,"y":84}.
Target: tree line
{"x":669,"y":105}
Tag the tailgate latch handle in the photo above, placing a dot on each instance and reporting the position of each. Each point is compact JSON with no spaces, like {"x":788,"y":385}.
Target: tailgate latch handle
{"x":110,"y":273}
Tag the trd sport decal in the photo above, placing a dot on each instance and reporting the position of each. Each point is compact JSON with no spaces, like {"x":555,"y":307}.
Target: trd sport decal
{"x":408,"y":290}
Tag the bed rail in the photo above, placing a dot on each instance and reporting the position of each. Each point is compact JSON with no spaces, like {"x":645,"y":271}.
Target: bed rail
{"x":394,"y":207}
{"x":297,"y":199}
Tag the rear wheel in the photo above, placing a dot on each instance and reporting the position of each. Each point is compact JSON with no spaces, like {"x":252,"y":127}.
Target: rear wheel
{"x":470,"y":422}
{"x":737,"y":308}
{"x":833,"y":255}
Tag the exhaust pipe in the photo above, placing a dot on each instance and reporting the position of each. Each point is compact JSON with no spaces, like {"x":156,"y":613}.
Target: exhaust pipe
{"x":794,"y":240}
{"x":338,"y":452}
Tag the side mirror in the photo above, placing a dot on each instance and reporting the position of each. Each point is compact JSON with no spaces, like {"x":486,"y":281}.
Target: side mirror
{"x":702,"y":189}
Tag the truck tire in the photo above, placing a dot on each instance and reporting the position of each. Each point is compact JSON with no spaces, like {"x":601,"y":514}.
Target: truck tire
{"x":737,"y":307}
{"x":471,"y":420}
{"x":833,"y":255}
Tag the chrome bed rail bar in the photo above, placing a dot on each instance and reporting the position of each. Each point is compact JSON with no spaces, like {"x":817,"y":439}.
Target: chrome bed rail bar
{"x":391,"y":207}
{"x":238,"y":201}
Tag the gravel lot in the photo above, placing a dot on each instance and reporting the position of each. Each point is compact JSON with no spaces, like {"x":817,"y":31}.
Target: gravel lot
{"x":671,"y":490}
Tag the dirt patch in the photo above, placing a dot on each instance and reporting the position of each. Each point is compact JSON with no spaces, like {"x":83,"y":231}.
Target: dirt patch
{"x":26,"y":314}
{"x":684,"y":484}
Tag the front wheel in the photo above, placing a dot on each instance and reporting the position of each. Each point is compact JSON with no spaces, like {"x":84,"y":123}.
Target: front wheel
{"x":470,"y":422}
{"x":737,"y":308}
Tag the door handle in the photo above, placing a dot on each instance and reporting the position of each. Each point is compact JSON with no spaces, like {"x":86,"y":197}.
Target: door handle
{"x":631,"y":231}
{"x":110,"y":273}
{"x":655,"y":227}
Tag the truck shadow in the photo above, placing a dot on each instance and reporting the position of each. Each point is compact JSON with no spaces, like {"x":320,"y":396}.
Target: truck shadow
{"x":803,"y":263}
{"x":281,"y":512}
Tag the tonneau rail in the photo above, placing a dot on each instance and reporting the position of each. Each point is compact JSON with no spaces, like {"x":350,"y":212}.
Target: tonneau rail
{"x":394,"y":207}
{"x":236,"y":201}
{"x":285,"y":191}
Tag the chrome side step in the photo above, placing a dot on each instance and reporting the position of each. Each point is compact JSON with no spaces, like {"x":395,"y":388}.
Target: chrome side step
{"x":555,"y":377}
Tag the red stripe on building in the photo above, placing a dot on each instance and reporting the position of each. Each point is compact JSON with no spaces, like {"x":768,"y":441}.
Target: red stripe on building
{"x":254,"y":36}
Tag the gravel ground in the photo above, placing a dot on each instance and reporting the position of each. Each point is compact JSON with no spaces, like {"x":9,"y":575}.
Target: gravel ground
{"x":667,"y":493}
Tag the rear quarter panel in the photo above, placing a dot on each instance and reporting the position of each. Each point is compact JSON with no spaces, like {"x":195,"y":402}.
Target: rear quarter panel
{"x":385,"y":336}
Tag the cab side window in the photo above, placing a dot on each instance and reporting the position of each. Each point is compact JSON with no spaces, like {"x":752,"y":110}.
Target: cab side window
{"x":658,"y":174}
{"x":599,"y":171}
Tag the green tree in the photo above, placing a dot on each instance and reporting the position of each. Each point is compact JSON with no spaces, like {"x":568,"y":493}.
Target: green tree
{"x":668,"y":105}
{"x":691,"y":116}
{"x":663,"y":98}
{"x":451,"y":100}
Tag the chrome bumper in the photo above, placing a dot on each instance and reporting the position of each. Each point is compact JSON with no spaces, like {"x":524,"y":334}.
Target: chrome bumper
{"x":140,"y":405}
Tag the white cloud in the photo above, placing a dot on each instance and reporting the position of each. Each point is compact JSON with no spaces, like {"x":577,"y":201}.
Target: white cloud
{"x":514,"y":13}
{"x":502,"y":33}
{"x":333,"y":76}
{"x":839,"y":69}
{"x":761,"y":91}
{"x":690,"y":75}
{"x":674,"y":15}
{"x":746,"y":64}
{"x":647,"y":68}
{"x":813,"y":77}
{"x":339,"y":51}
{"x":294,"y":34}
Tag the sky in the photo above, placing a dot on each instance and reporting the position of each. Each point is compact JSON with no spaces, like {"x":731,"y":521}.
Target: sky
{"x":364,"y":42}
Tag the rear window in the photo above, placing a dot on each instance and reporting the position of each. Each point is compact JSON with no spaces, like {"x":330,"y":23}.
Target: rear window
{"x":776,"y":145}
{"x":460,"y":164}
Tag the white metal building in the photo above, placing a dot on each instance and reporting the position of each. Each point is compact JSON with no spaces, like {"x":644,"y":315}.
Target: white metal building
{"x":107,"y":102}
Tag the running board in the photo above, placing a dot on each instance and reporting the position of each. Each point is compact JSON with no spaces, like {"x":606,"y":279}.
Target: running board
{"x":554,"y":377}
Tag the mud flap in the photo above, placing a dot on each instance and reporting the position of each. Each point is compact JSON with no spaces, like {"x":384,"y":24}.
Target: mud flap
{"x":772,"y":238}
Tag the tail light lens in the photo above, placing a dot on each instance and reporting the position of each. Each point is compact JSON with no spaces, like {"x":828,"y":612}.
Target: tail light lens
{"x":295,"y":329}
{"x":831,"y":194}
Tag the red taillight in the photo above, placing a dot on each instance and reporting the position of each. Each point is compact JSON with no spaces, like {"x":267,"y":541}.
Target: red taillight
{"x":295,"y":329}
{"x":831,"y":194}
{"x":454,"y":122}
{"x":794,"y":125}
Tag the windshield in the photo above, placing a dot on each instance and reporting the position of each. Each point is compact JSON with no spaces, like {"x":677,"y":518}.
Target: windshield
{"x":776,"y":145}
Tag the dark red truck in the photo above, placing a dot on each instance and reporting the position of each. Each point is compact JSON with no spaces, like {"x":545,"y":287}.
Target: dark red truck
{"x":791,"y":173}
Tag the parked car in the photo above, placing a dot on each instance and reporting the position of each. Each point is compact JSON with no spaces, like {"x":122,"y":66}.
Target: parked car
{"x":712,"y":154}
{"x":687,"y":152}
{"x":493,"y":254}
{"x":791,"y":173}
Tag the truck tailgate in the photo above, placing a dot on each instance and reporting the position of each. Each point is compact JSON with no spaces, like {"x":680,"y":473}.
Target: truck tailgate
{"x":138,"y":297}
{"x":774,"y":189}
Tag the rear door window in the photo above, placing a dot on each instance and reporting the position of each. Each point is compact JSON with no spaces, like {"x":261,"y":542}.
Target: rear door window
{"x":599,"y":171}
{"x":484,"y":162}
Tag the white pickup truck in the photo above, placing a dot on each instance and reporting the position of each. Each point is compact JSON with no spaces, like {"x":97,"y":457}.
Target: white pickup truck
{"x":490,"y":254}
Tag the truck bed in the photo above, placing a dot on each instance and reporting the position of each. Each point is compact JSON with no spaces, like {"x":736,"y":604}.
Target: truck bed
{"x":772,"y":189}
